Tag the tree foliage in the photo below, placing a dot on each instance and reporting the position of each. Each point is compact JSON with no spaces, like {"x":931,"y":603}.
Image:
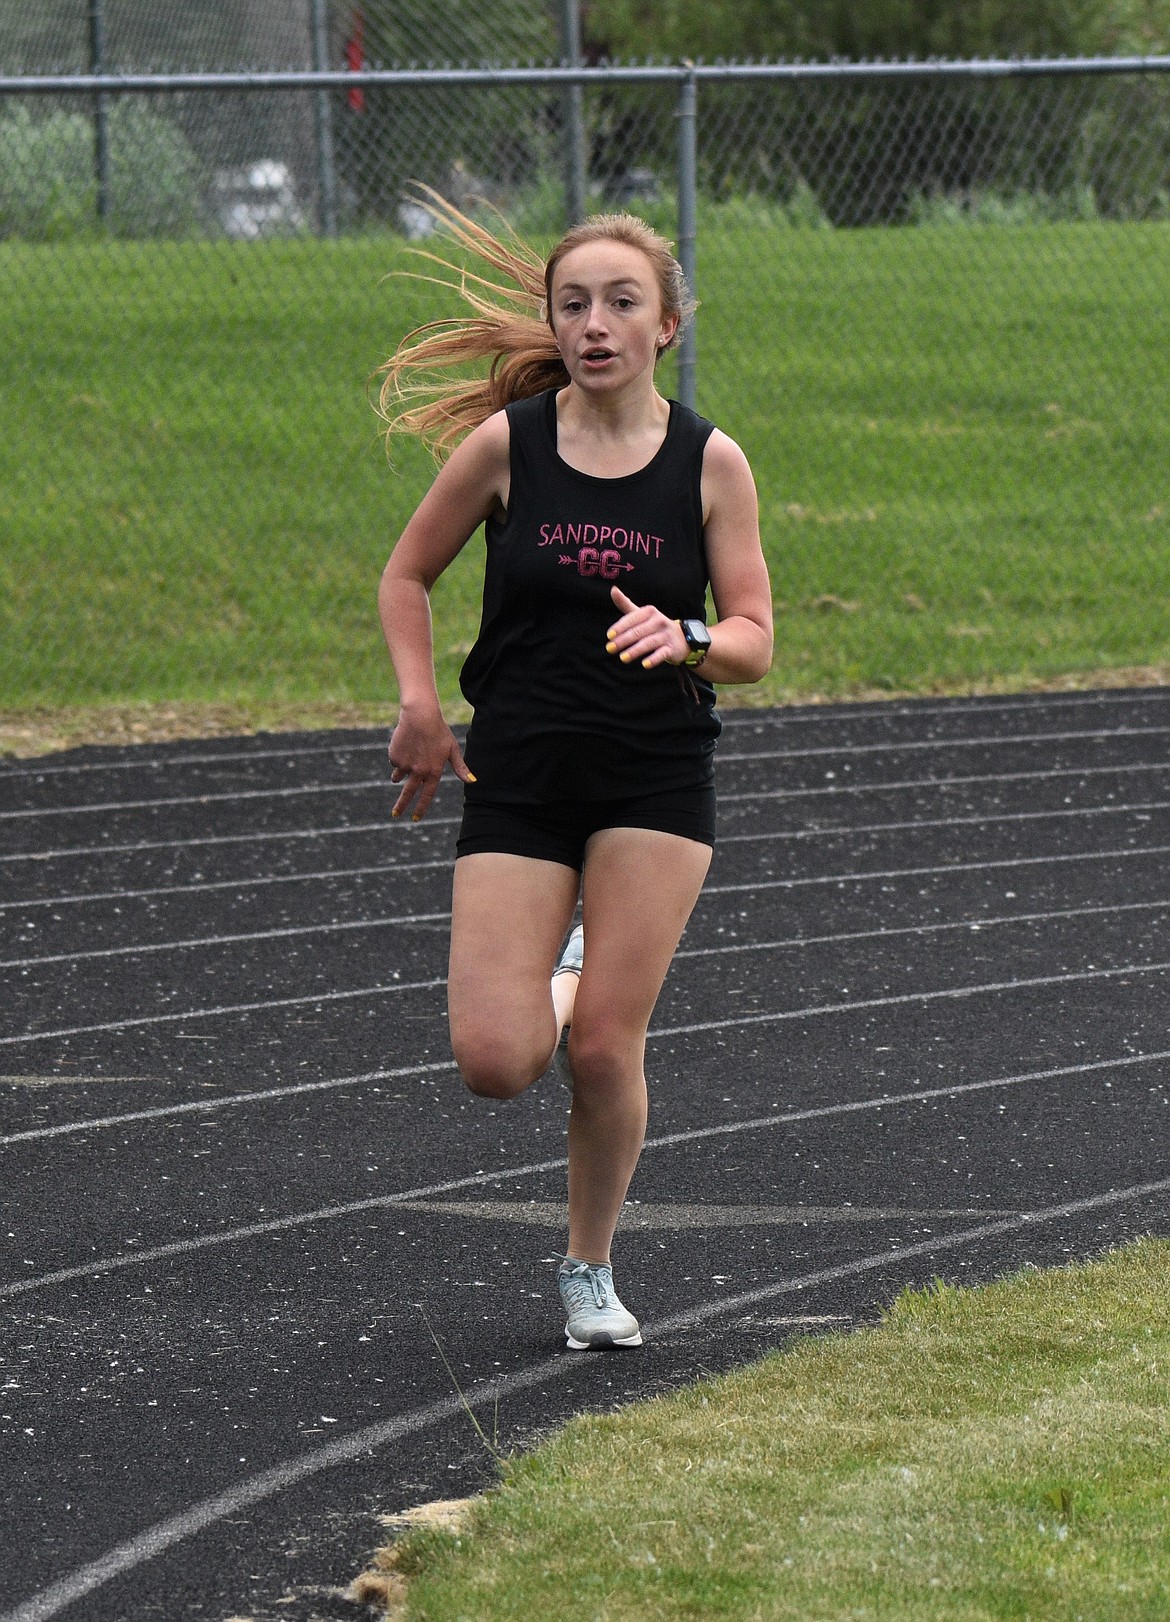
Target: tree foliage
{"x":869,"y":29}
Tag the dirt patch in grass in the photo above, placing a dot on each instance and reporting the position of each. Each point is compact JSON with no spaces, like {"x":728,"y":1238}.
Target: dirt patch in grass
{"x":382,"y":1585}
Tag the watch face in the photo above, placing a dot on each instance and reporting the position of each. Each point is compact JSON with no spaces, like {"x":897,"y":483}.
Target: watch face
{"x":697,"y":635}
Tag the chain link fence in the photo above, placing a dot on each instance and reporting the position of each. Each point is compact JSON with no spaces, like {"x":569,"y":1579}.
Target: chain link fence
{"x":933,"y":310}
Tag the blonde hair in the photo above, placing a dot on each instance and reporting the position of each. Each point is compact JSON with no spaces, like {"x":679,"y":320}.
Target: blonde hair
{"x":510,"y":324}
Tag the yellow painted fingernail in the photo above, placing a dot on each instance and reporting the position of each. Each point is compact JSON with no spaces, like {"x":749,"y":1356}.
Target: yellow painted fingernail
{"x":417,"y":817}
{"x":625,"y":657}
{"x":611,"y":647}
{"x":645,"y":664}
{"x":472,"y":778}
{"x":396,"y":813}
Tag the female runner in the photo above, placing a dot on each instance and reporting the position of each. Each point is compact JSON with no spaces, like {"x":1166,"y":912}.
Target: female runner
{"x":608,"y":511}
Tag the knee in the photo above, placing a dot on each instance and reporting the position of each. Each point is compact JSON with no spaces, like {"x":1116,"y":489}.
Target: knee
{"x":604,"y":1060}
{"x":494,"y":1069}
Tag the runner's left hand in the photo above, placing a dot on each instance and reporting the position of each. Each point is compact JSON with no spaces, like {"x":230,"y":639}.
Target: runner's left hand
{"x":644,"y":634}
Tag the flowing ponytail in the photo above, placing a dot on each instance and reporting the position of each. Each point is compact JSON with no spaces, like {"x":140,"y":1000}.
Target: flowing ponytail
{"x":509,"y":325}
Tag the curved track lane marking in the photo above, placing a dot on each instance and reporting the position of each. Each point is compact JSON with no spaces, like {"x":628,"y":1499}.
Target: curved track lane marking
{"x":203,"y":1106}
{"x":900,"y":747}
{"x":363,"y":784}
{"x":973,"y":821}
{"x":139,"y":1020}
{"x":155,"y":1540}
{"x":258,"y":881}
{"x":259,"y":1230}
{"x":219,"y":798}
{"x":846,"y":713}
{"x":975,"y":925}
{"x":164,"y":763}
{"x":386,"y":826}
{"x":344,"y":829}
{"x":341,"y":926}
{"x":252,"y":883}
{"x":951,"y":993}
{"x":905,"y":784}
{"x":336,"y":927}
{"x":185,"y":1247}
{"x":877,"y":709}
{"x":1000,"y":864}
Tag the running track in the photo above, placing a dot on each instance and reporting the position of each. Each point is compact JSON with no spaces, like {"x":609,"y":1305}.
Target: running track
{"x":918,"y":1027}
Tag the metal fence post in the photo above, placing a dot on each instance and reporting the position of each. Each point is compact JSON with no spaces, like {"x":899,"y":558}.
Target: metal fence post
{"x":687,"y":222}
{"x":101,"y":124}
{"x":574,"y":114}
{"x":326,"y":167}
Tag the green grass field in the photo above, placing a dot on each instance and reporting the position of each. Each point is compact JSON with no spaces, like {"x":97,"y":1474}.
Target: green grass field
{"x":983,"y":1454}
{"x":959,"y":436}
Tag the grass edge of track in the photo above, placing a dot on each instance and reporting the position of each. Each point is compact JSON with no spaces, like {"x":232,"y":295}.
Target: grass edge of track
{"x":41,"y":730}
{"x":980,"y":1452}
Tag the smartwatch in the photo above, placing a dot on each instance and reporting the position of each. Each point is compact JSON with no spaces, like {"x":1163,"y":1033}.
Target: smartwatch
{"x":698,"y":639}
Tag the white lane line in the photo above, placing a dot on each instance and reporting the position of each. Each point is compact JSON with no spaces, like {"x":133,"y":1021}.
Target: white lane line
{"x":843,"y":714}
{"x":207,"y":1512}
{"x":219,"y":798}
{"x":847,"y":711}
{"x":258,"y":1230}
{"x":164,"y":763}
{"x":420,"y":985}
{"x":977,"y":820}
{"x":227,"y":1236}
{"x":890,"y":747}
{"x":829,"y":791}
{"x":204,"y":1106}
{"x":901,"y":785}
{"x":917,"y":1095}
{"x":227,"y":1008}
{"x":340,"y":830}
{"x":258,"y":882}
{"x":383,"y":783}
{"x":924,"y":1247}
{"x":338,"y":926}
{"x":949,"y":993}
{"x":163,"y":1535}
{"x":1001,"y":863}
{"x":440,"y":917}
{"x":973,"y":925}
{"x":878,"y":709}
{"x":811,"y":1012}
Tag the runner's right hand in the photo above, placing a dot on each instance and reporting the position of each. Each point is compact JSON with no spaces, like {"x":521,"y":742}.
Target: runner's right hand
{"x":419,"y":750}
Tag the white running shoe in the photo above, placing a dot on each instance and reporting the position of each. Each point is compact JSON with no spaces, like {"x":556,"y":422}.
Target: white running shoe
{"x":572,"y":954}
{"x":597,"y":1321}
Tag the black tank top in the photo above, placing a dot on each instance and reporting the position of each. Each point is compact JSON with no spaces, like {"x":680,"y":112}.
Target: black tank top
{"x":556,"y":717}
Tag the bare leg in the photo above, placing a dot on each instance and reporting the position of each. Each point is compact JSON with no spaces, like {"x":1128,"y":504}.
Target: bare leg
{"x":509,"y":915}
{"x":639,"y":889}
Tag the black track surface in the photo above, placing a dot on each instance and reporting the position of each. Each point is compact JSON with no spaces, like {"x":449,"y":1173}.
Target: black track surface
{"x":918,"y":1027}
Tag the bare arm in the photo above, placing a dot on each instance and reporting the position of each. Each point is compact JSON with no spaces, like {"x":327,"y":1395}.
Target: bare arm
{"x":741,"y":638}
{"x":470,"y":486}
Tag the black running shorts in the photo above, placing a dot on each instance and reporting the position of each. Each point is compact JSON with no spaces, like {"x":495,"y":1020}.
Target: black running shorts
{"x":559,"y":830}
